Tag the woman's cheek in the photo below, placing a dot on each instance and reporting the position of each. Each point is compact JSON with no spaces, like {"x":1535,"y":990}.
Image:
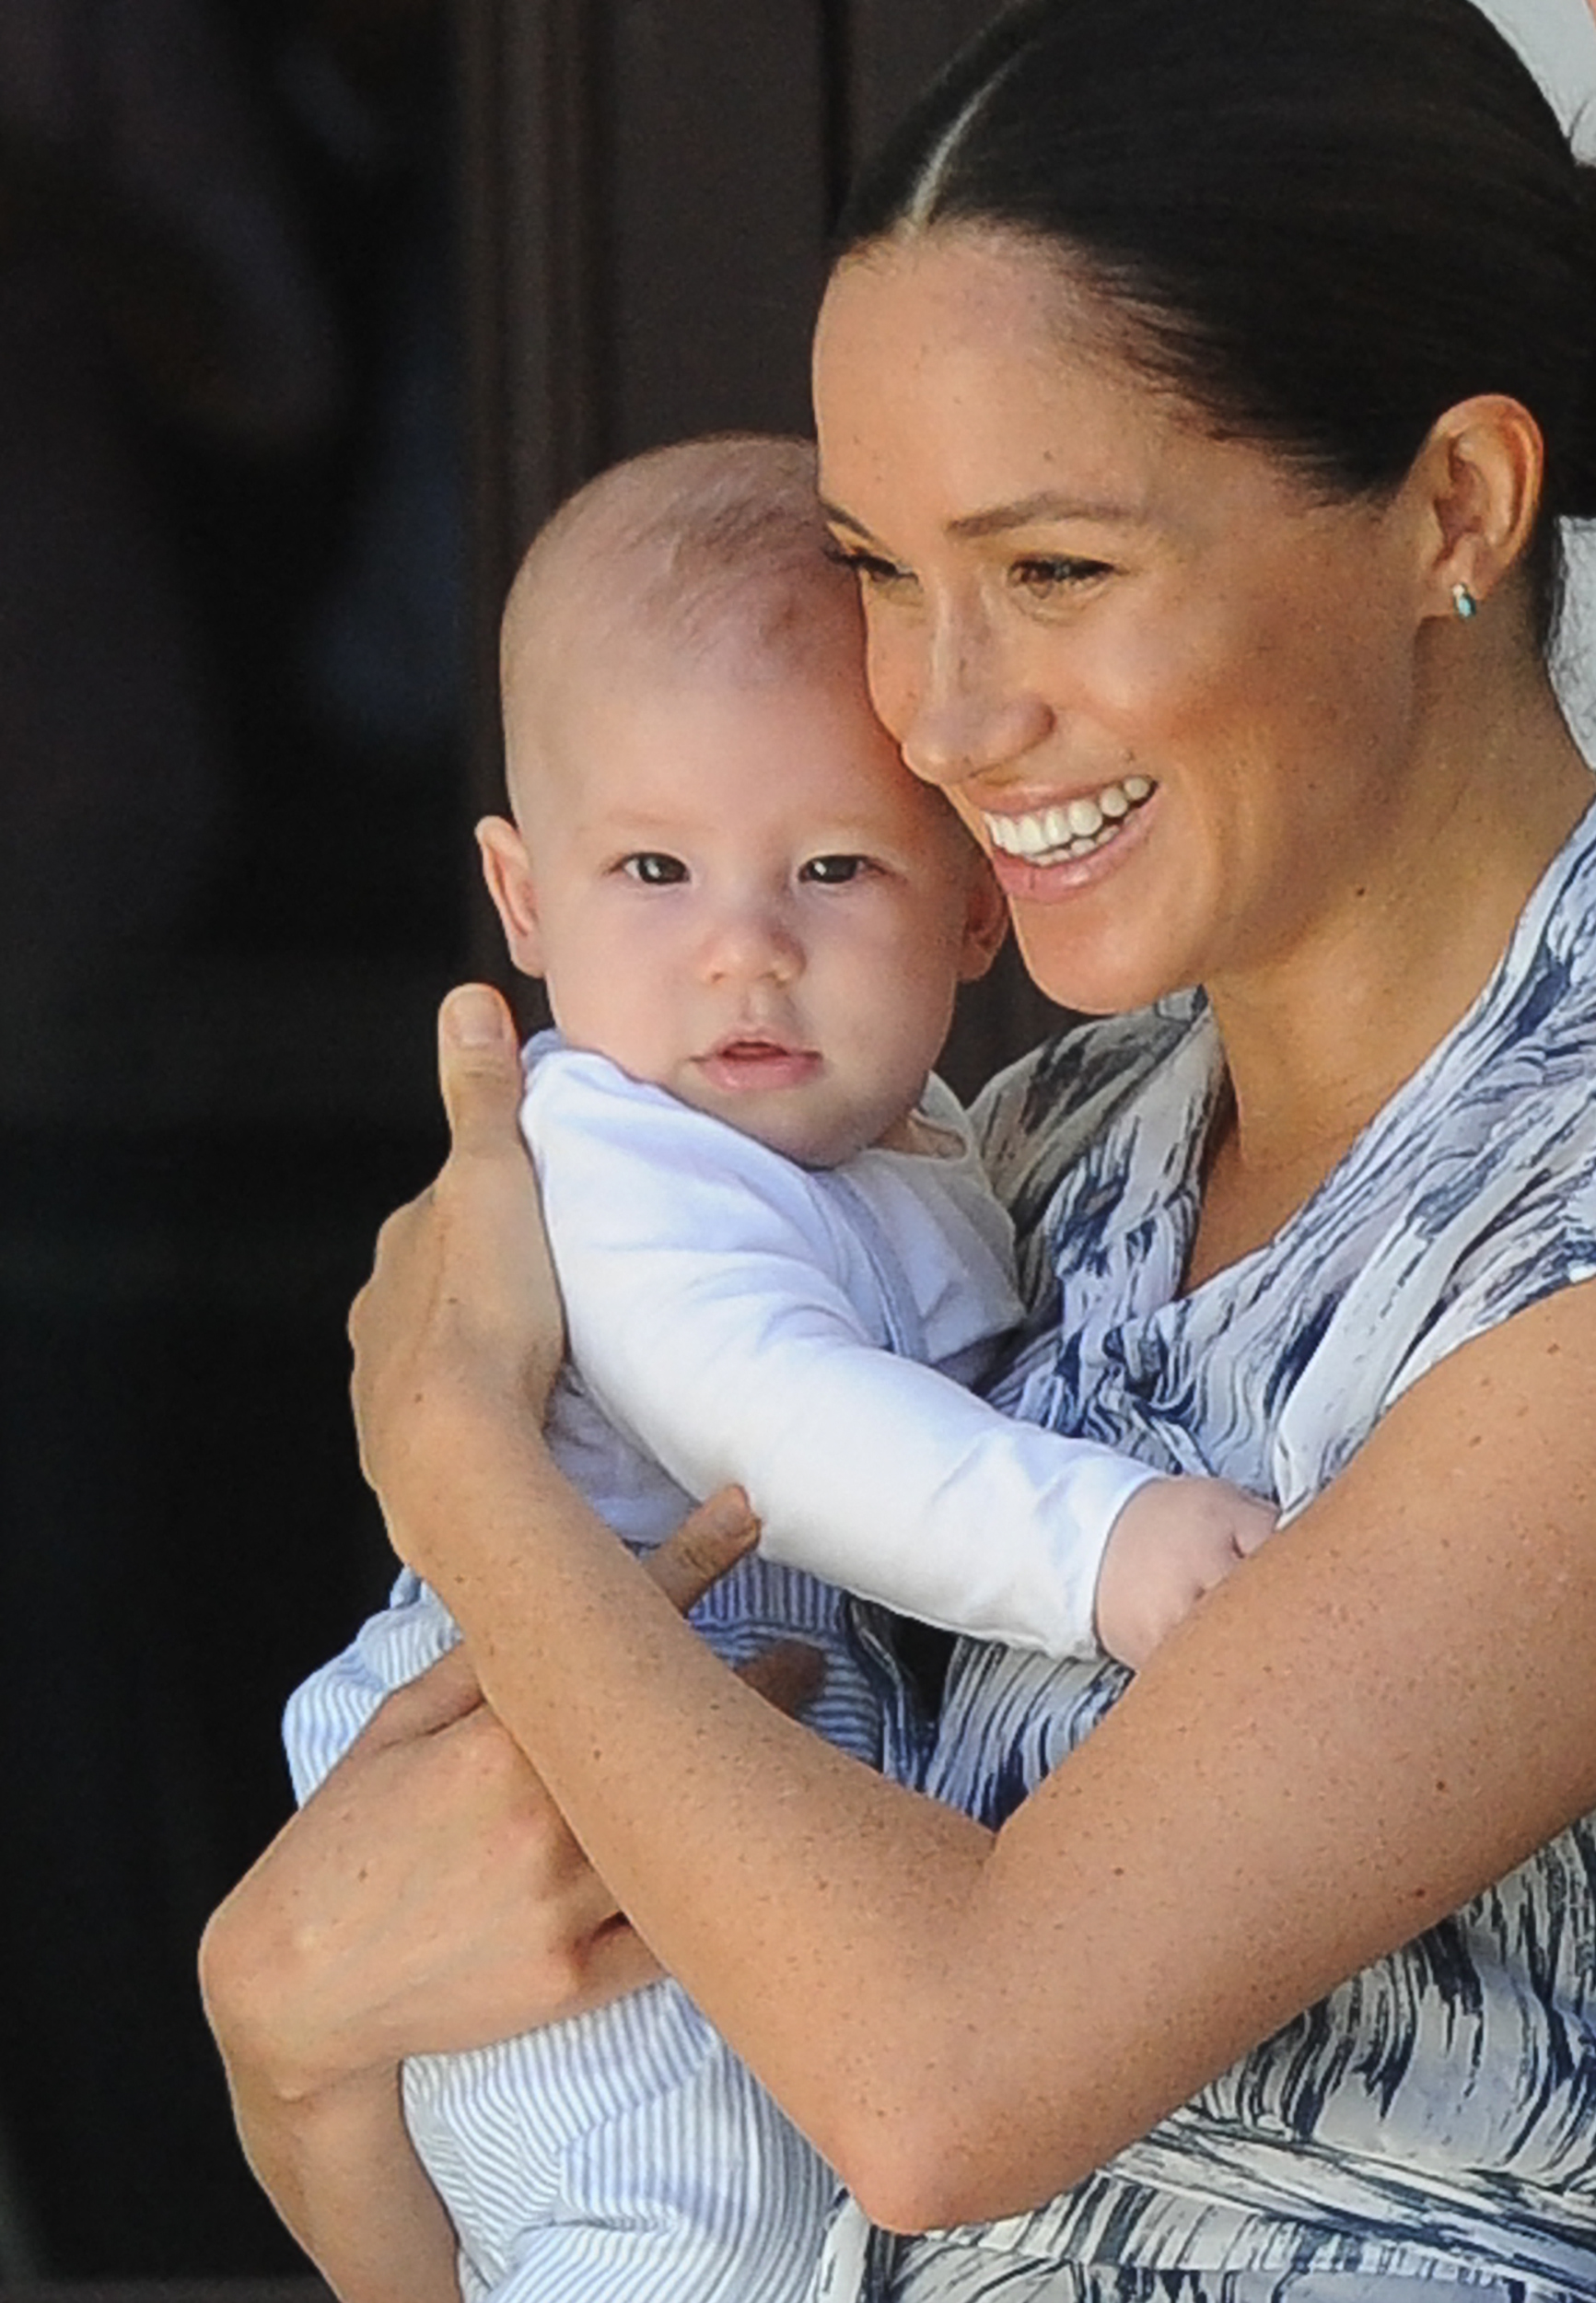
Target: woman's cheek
{"x":892,"y":673}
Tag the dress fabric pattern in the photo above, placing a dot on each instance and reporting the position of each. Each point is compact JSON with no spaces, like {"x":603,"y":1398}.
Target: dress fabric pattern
{"x":1434,"y":2120}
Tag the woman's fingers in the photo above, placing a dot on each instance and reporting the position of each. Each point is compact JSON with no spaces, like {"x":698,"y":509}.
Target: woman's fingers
{"x":788,"y":1675}
{"x":615,"y":1960}
{"x":709,"y":1541}
{"x":447,"y":1692}
{"x":429,"y":1897}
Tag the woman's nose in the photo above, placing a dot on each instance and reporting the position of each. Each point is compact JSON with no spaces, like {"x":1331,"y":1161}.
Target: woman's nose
{"x":960,"y":713}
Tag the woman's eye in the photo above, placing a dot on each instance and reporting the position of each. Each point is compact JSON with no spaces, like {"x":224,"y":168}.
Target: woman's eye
{"x":1044,"y":577}
{"x":833,"y":872}
{"x":874,"y":572}
{"x":655,"y":871}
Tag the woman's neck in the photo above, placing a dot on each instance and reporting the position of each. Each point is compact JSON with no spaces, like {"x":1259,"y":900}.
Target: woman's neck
{"x":1319,"y":1039}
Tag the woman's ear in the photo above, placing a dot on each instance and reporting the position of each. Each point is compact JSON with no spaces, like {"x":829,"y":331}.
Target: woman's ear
{"x":508,"y":869}
{"x":1480,"y":474}
{"x":986,"y":921}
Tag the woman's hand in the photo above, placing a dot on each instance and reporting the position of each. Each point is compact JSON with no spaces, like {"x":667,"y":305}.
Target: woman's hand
{"x":460,"y":1316}
{"x":430,"y":1897}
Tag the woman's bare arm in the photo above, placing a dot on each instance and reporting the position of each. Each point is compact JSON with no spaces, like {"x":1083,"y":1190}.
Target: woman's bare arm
{"x":428,"y":1896}
{"x":1384,"y":1710}
{"x":340,"y":2170}
{"x":328,"y":2146}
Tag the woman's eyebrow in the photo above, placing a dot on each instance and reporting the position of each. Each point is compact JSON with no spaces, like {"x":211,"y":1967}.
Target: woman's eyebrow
{"x":838,"y":518}
{"x":1047,"y":504}
{"x":999,"y":518}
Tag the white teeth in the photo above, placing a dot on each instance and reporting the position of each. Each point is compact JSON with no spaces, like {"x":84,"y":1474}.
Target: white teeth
{"x":1075,"y":829}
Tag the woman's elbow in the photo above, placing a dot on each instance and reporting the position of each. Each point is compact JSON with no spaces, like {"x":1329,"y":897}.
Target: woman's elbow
{"x":929,"y":2165}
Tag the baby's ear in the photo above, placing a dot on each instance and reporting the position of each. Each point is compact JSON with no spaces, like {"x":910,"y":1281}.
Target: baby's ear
{"x":986,"y":921}
{"x":509,"y":872}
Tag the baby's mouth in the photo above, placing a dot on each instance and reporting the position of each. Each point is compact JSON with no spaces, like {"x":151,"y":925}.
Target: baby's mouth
{"x":1076,"y":828}
{"x":747,"y":1059}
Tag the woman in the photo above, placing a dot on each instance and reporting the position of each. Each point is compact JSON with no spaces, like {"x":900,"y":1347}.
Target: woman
{"x":1197,"y":395}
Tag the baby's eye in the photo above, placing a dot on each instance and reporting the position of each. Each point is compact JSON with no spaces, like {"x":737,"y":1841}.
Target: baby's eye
{"x":1044,"y":575}
{"x":833,"y":872}
{"x":653,"y":869}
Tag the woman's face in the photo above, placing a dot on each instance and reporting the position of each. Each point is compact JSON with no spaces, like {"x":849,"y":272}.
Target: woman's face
{"x":1168,"y":686}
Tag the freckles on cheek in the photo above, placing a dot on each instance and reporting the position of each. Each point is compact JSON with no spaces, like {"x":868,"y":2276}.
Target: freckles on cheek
{"x":892,"y":686}
{"x":1151,"y":689}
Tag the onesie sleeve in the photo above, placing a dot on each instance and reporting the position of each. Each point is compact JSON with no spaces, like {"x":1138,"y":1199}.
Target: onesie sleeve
{"x":720,"y":1315}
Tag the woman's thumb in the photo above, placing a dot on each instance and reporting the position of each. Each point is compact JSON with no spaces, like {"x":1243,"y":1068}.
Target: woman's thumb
{"x":479,"y":1069}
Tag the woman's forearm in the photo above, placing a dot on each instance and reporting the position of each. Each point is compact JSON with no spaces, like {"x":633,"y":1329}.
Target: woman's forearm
{"x":962,"y":2023}
{"x":342,"y":2172}
{"x":332,"y":2154}
{"x":697,"y":1800}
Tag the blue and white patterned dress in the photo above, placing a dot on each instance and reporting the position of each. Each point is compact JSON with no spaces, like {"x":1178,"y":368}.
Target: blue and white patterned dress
{"x":1435,"y":2118}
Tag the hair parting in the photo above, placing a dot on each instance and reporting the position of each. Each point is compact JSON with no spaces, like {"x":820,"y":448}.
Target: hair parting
{"x":1323,"y":224}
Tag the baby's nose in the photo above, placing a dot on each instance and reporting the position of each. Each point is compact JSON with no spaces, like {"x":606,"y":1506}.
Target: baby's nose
{"x":751,"y":941}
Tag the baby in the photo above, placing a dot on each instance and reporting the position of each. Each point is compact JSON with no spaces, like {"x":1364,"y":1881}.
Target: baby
{"x":781,"y":1264}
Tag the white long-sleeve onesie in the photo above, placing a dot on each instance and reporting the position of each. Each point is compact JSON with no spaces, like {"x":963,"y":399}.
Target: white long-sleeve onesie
{"x":732,"y":1317}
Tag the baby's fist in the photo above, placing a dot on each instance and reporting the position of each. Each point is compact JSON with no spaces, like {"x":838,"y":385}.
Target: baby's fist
{"x":1173,"y":1541}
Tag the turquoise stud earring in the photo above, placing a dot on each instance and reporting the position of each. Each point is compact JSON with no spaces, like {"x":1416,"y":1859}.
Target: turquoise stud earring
{"x":1466,"y":604}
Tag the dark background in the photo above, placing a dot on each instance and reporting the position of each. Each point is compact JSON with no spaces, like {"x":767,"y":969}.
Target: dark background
{"x":310,"y":311}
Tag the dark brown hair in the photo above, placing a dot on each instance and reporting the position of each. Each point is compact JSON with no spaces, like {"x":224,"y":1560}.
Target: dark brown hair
{"x":1322,"y":222}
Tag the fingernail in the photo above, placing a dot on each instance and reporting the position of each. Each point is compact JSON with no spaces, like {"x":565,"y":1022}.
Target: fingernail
{"x":472,"y":1017}
{"x":734,"y":1514}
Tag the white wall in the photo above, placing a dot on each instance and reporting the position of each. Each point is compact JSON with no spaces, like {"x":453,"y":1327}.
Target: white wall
{"x":1558,"y":38}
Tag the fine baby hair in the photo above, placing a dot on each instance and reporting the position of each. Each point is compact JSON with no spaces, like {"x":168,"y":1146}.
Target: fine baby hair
{"x":711,"y":549}
{"x":1322,"y":224}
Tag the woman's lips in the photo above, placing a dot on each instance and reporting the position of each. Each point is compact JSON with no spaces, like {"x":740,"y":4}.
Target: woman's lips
{"x":1054,"y":877}
{"x":741,"y":1066}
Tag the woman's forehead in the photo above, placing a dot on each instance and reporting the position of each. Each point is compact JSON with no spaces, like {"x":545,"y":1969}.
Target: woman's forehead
{"x":968,"y":369}
{"x":917,"y":296}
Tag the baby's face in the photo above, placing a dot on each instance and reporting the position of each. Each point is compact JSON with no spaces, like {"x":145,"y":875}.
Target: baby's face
{"x":740,"y":894}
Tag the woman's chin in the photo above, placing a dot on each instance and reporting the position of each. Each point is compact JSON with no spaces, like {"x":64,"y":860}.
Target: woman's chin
{"x":1092,"y":972}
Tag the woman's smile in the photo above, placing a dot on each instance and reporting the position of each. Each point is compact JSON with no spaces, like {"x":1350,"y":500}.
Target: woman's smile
{"x":1068,"y":831}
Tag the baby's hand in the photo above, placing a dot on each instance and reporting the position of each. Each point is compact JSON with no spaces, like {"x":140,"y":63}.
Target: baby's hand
{"x":1173,"y":1541}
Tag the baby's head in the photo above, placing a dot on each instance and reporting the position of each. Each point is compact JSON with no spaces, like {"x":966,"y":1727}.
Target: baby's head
{"x":729,"y":881}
